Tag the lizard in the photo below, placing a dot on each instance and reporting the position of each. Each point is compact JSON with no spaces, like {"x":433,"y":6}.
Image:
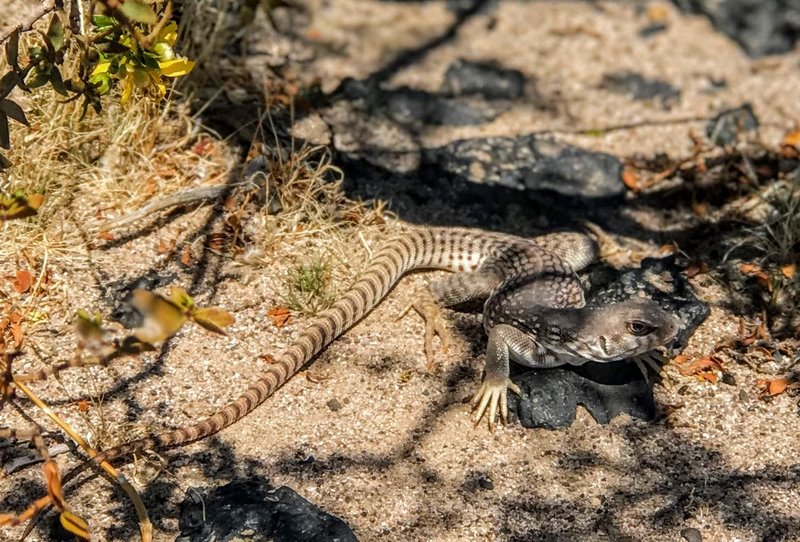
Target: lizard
{"x":514,"y":275}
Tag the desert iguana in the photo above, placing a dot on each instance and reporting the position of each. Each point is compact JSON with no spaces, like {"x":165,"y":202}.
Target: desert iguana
{"x":533,"y":315}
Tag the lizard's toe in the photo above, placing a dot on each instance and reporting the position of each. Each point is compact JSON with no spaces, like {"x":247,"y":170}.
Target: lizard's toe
{"x":491,"y":397}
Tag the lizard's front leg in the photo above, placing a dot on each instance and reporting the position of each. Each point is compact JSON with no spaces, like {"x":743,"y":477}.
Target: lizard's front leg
{"x":451,"y":290}
{"x":496,"y":383}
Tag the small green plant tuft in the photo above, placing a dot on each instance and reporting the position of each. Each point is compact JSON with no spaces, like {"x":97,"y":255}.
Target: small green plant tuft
{"x":308,"y":287}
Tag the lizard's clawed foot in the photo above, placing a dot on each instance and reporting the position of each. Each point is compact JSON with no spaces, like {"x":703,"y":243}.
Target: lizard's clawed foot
{"x":654,"y":360}
{"x":434,"y":325}
{"x":492,"y":394}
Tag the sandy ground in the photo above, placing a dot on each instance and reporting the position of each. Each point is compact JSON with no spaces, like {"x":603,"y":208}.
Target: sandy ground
{"x":400,"y":460}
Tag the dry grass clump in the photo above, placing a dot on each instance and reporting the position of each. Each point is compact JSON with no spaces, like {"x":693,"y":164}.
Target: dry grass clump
{"x":311,"y":225}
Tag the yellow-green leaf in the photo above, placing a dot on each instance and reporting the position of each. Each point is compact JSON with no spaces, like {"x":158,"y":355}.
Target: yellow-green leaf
{"x":19,"y":205}
{"x":176,"y":67}
{"x":181,"y":298}
{"x":75,"y":524}
{"x":55,"y":33}
{"x":213,"y":319}
{"x":162,"y":317}
{"x":138,"y":11}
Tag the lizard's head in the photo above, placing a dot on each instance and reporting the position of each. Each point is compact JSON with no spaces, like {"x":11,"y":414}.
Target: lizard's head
{"x":627,"y":329}
{"x":616,"y":331}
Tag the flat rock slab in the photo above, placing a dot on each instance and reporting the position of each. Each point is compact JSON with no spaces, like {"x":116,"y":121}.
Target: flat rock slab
{"x":250,"y":509}
{"x":532,"y":163}
{"x":550,"y":397}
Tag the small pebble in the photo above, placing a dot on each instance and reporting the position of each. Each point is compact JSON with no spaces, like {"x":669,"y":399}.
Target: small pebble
{"x":334,"y":405}
{"x":690,"y":534}
{"x":485,"y":483}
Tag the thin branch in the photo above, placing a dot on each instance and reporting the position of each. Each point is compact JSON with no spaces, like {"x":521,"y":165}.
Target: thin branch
{"x":27,"y":24}
{"x":184,"y":197}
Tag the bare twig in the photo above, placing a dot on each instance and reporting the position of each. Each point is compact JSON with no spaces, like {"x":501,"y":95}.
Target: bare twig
{"x":184,"y":197}
{"x":27,"y":24}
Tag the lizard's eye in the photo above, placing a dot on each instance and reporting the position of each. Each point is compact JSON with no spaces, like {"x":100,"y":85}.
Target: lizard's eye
{"x":639,"y":328}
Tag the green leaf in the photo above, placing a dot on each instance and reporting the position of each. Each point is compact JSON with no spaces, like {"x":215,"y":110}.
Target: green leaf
{"x":5,"y":141}
{"x":39,"y":76}
{"x":55,"y":32}
{"x":101,"y":22}
{"x":14,"y":111}
{"x":58,"y":82}
{"x":138,"y":11}
{"x":12,"y":49}
{"x":7,"y":84}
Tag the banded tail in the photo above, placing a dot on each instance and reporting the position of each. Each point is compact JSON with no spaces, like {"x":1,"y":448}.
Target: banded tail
{"x":440,"y":248}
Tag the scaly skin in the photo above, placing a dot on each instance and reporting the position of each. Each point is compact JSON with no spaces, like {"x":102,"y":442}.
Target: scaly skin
{"x":485,"y":259}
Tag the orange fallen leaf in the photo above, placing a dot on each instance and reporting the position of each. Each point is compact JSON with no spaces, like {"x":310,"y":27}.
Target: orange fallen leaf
{"x":630,"y":178}
{"x":694,"y":368}
{"x":668,"y":248}
{"x":657,"y":13}
{"x":709,"y":376}
{"x":23,"y":281}
{"x":269,"y":358}
{"x":700,"y":208}
{"x":280,"y":316}
{"x":15,"y":326}
{"x":789,"y":271}
{"x":83,"y":405}
{"x":774,"y":387}
{"x":186,"y":256}
{"x":165,"y":247}
{"x":697,"y":268}
{"x":762,"y":277}
{"x":792,"y":138}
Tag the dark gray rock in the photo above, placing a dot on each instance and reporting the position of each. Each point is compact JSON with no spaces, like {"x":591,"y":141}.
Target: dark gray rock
{"x":550,"y":396}
{"x":690,"y":534}
{"x":252,"y":510}
{"x":528,"y":162}
{"x":724,"y":129}
{"x":639,"y":88}
{"x":484,"y":79}
{"x":417,"y":107}
{"x":760,"y":27}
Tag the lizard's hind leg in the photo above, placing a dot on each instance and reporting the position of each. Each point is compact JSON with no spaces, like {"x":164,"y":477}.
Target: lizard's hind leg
{"x":447,"y":292}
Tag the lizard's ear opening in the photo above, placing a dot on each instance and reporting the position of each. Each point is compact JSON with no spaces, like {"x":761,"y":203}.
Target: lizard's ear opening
{"x":640,"y":328}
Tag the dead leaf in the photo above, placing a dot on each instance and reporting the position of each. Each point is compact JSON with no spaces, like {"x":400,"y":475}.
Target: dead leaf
{"x":203,"y":147}
{"x":106,"y":236}
{"x":23,"y":281}
{"x":668,"y":248}
{"x":186,"y":256}
{"x":709,"y":376}
{"x":213,"y":319}
{"x":52,"y":479}
{"x":165,"y":247}
{"x":630,"y":178}
{"x":789,"y":270}
{"x":774,"y":387}
{"x":15,"y":326}
{"x":761,"y":276}
{"x":74,"y":524}
{"x":792,"y":139}
{"x":657,"y":13}
{"x":83,"y":405}
{"x":280,"y":316}
{"x":700,"y":208}
{"x":269,"y":358}
{"x":697,"y":268}
{"x":701,"y":365}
